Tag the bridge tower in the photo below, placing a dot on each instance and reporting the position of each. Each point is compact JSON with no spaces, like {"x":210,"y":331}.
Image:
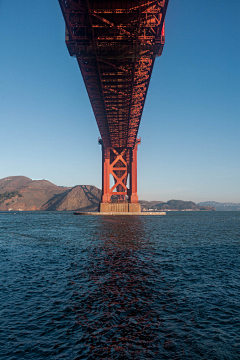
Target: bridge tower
{"x":115,"y":43}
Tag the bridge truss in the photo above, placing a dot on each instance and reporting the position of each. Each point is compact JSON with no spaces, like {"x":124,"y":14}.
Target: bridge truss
{"x":115,"y":43}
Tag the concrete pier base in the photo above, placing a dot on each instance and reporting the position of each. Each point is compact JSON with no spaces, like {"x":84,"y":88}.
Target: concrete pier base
{"x":120,"y":207}
{"x":146,"y":213}
{"x":134,"y":207}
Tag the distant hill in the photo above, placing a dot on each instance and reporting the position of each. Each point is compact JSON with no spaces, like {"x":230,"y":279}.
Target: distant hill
{"x":221,"y":206}
{"x":80,"y":197}
{"x":32,"y":194}
{"x":174,"y":205}
{"x":22,"y":193}
{"x":149,"y":204}
{"x":13,"y":183}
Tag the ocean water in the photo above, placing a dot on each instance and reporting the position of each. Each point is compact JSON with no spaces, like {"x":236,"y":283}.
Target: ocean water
{"x":85,"y":287}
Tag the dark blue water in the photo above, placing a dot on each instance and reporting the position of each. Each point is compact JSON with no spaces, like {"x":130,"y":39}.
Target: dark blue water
{"x":75,"y":287}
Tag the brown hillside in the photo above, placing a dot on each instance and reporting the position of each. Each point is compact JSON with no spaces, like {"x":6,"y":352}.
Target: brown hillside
{"x":42,"y":184}
{"x":12,"y":183}
{"x":44,"y":195}
{"x":81,"y":197}
{"x":34,"y":193}
{"x":149,"y":204}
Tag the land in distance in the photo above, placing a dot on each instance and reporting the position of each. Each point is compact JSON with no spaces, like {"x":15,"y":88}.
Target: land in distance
{"x":44,"y":195}
{"x":177,"y":205}
{"x":222,"y":206}
{"x":20,"y":193}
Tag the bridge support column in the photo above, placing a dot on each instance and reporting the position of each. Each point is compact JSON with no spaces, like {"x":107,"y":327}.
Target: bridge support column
{"x":121,"y":163}
{"x":134,"y":205}
{"x":133,"y":177}
{"x":106,"y":196}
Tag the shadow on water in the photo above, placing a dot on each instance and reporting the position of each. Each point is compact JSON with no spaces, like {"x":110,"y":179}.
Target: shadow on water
{"x":120,"y":313}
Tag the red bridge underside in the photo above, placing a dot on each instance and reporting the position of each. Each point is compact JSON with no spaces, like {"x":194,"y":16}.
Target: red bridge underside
{"x":115,"y":43}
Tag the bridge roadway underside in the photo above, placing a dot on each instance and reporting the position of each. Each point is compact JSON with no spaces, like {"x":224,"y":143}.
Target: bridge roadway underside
{"x":115,"y":43}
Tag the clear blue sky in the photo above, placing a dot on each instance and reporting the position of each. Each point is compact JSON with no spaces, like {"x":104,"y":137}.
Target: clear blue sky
{"x":190,"y":127}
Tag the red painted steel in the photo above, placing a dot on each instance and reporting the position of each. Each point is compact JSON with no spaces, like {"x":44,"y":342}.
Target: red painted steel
{"x":120,"y":163}
{"x":115,"y":43}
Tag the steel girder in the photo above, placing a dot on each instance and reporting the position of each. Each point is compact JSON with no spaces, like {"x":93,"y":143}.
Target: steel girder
{"x":115,"y":43}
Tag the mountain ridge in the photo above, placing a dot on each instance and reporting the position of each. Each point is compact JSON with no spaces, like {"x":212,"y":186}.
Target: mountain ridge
{"x":20,"y":193}
{"x":177,"y":205}
{"x":80,"y":197}
{"x":23,"y":193}
{"x":228,"y":206}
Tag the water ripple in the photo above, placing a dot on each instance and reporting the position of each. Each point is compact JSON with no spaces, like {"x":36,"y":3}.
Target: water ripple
{"x":119,"y":288}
